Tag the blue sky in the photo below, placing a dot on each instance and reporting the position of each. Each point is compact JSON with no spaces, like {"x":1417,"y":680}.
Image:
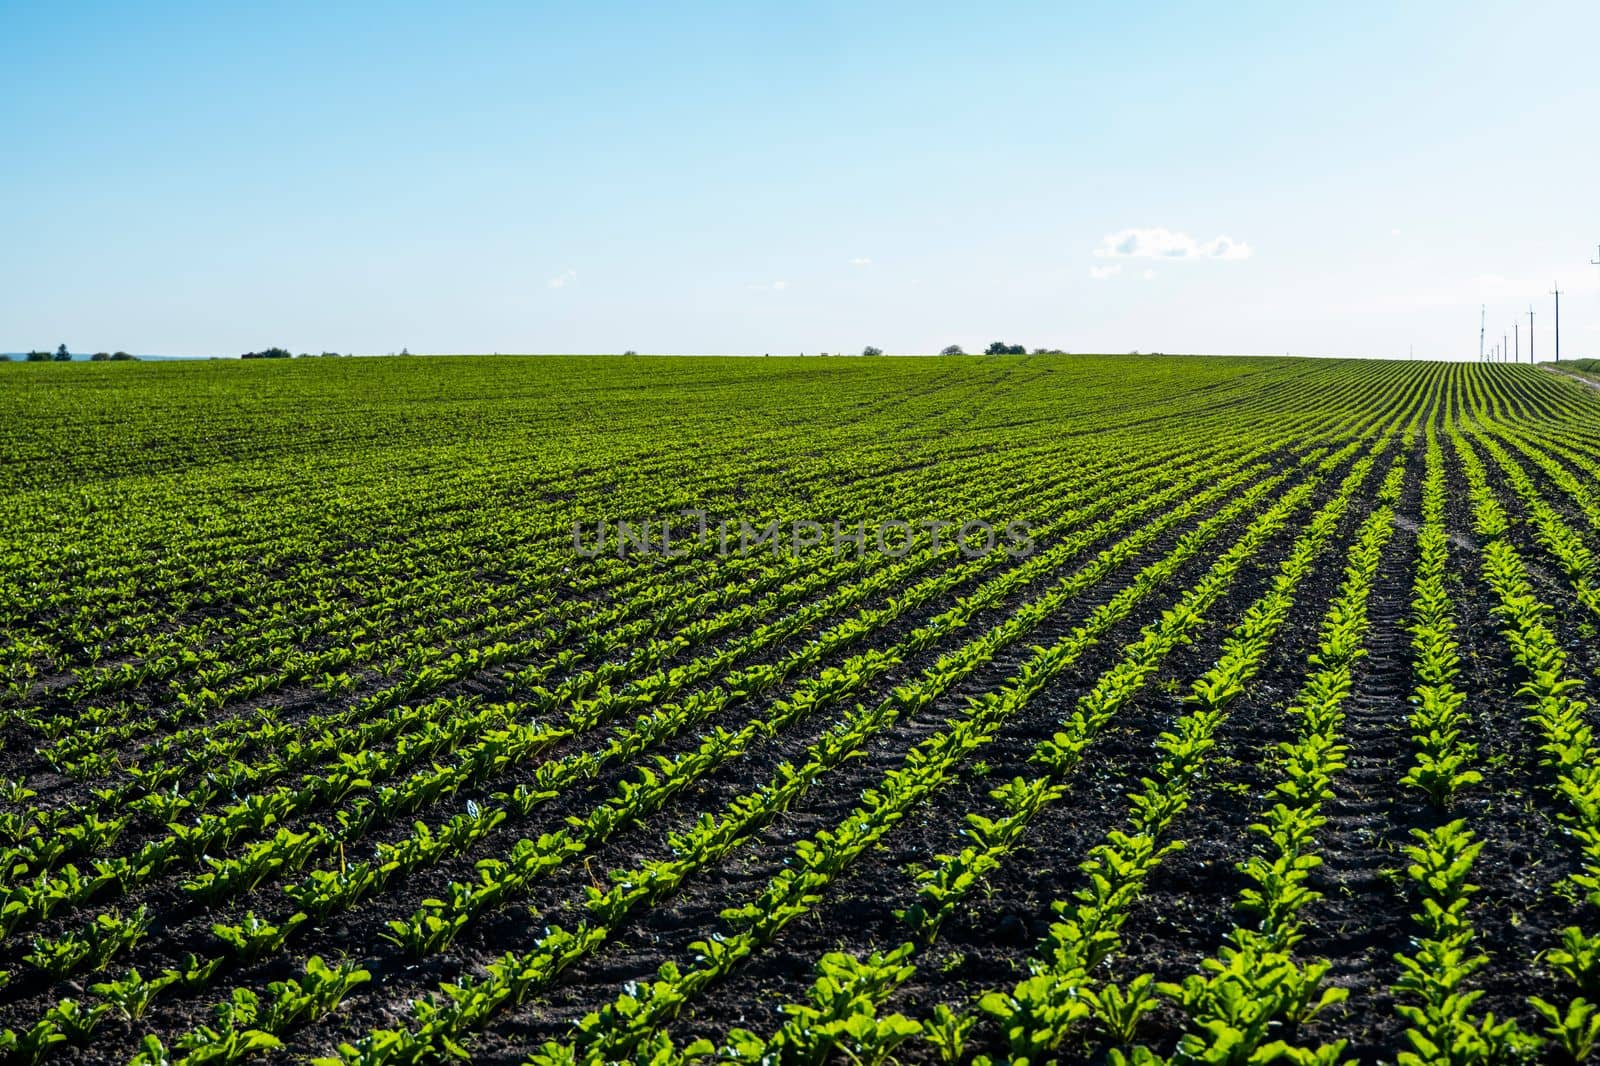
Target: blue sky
{"x":1350,"y":179}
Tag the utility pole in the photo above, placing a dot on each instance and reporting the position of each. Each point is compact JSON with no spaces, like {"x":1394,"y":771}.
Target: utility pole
{"x":1516,"y":333}
{"x":1530,"y":334}
{"x":1556,"y":292}
{"x":1505,"y":349}
{"x":1483,"y":311}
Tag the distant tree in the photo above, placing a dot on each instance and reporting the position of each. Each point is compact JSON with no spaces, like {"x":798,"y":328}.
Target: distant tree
{"x":405,"y":351}
{"x":870,"y":350}
{"x":954,"y":349}
{"x":270,"y":353}
{"x":38,"y":357}
{"x":1002,"y":348}
{"x":100,"y":357}
{"x":331,"y":355}
{"x":122,"y":357}
{"x":62,"y":355}
{"x":630,"y":351}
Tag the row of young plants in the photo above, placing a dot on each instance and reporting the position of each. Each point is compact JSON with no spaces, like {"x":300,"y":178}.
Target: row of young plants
{"x":244,"y":1025}
{"x":1445,"y":762}
{"x":1434,"y":994}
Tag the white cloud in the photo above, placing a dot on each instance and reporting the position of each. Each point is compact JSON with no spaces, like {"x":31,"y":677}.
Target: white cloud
{"x":776,"y":286}
{"x":1395,"y":232}
{"x":1228,"y":248}
{"x":1149,"y":275}
{"x":1161,"y":243}
{"x":861,"y":261}
{"x":1100,"y":273}
{"x":561,"y":280}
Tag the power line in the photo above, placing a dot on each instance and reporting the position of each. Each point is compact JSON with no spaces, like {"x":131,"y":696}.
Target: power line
{"x":1556,"y":292}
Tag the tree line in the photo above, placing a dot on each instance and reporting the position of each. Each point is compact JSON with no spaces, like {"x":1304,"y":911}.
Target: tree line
{"x":61,"y":355}
{"x":997,"y":348}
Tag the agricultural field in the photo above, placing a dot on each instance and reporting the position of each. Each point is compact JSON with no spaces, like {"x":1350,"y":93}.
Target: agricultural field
{"x":1190,"y":710}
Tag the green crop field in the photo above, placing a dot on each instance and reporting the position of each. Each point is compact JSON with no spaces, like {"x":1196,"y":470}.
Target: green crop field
{"x":590,"y":709}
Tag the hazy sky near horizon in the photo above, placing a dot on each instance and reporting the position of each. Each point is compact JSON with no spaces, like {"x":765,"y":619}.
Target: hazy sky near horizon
{"x":1330,"y":179}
